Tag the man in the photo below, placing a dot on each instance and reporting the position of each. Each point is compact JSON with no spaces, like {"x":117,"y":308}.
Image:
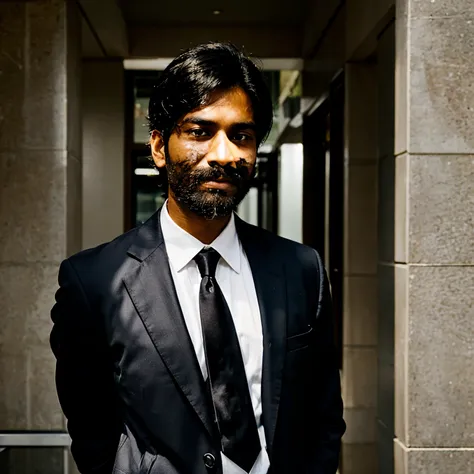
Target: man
{"x":198,"y":343}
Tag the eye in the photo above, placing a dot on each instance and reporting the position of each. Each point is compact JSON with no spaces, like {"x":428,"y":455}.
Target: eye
{"x":197,"y":132}
{"x":242,"y":137}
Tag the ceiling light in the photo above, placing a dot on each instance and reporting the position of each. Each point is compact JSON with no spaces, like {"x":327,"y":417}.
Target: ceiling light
{"x":217,"y":12}
{"x":146,"y":172}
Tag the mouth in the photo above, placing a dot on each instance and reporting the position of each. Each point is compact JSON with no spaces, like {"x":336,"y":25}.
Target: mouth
{"x":222,"y":184}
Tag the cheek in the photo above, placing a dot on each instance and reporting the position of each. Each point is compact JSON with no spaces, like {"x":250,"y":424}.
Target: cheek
{"x":194,"y":156}
{"x":181,"y":150}
{"x":248,"y":164}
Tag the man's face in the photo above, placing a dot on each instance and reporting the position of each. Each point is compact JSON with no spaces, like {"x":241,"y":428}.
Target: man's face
{"x":211,"y":154}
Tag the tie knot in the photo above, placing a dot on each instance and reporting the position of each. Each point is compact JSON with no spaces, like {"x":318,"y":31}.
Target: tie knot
{"x":207,"y":260}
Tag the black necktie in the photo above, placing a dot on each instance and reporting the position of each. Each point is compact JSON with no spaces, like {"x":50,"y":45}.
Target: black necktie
{"x":228,"y":383}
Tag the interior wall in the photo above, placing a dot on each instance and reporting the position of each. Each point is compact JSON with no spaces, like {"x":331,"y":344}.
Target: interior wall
{"x":360,"y":345}
{"x":355,"y":37}
{"x":328,"y":55}
{"x":336,"y":32}
{"x":386,"y":266}
{"x":366,"y":19}
{"x":103,"y":150}
{"x":317,"y":19}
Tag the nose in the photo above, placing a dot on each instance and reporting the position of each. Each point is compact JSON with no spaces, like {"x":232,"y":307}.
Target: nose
{"x":222,"y":150}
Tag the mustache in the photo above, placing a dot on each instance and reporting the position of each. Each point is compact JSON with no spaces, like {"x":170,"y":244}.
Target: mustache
{"x":235,"y":175}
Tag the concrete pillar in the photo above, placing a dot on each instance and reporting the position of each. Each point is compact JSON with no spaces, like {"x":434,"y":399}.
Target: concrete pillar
{"x":434,"y":245}
{"x":40,"y":210}
{"x":103,"y":149}
{"x":359,"y":374}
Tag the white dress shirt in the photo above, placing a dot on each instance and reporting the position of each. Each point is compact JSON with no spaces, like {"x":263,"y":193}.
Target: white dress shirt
{"x":236,"y":282}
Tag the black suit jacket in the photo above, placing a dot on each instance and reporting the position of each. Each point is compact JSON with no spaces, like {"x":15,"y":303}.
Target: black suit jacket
{"x":128,"y":379}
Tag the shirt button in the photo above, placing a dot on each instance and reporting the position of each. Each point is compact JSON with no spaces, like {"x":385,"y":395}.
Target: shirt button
{"x":209,"y":460}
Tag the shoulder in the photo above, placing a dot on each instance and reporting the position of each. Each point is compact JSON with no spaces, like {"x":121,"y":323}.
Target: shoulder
{"x":97,"y":256}
{"x":303,"y":267}
{"x":287,"y":251}
{"x":272,"y":242}
{"x":95,"y":269}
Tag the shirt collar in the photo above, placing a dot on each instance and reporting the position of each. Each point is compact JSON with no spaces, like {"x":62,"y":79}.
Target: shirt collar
{"x":182,"y":247}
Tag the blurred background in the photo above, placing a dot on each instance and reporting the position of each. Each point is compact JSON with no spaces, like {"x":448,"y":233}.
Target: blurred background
{"x":370,"y":161}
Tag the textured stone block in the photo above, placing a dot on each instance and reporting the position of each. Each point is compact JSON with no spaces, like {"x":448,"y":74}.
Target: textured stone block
{"x":441,"y":209}
{"x":440,"y":461}
{"x":401,"y":206}
{"x":359,"y":459}
{"x":401,"y":77}
{"x":401,"y":350}
{"x":74,"y":80}
{"x":29,"y":398}
{"x":12,"y":60}
{"x":421,"y":9}
{"x":440,"y":353}
{"x":13,"y":402}
{"x":386,"y":209}
{"x":45,"y":76}
{"x":359,"y":377}
{"x":385,"y":449}
{"x":74,"y":206}
{"x":441,"y":96}
{"x":386,"y":92}
{"x":26,"y":302}
{"x":32,"y":206}
{"x":361,"y":425}
{"x":44,"y":409}
{"x":386,"y":336}
{"x":361,"y":112}
{"x":39,"y":91}
{"x":35,"y":461}
{"x":361,"y":220}
{"x":433,"y":461}
{"x":360,"y":311}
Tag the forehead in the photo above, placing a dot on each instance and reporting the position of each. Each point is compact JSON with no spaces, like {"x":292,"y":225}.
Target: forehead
{"x":229,"y":106}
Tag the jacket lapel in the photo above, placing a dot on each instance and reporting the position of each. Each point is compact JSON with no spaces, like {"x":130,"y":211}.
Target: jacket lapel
{"x":151,"y":288}
{"x":270,"y":285}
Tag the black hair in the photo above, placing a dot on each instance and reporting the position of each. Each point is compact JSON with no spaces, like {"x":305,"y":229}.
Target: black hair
{"x":190,"y":79}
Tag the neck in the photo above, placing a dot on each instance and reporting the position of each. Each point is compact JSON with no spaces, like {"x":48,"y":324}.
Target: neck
{"x":205,"y":230}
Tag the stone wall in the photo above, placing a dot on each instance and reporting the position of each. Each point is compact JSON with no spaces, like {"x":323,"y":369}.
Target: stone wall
{"x":40,"y":208}
{"x":434,"y":245}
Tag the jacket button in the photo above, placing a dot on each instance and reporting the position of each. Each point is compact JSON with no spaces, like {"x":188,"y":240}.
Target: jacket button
{"x":209,"y":461}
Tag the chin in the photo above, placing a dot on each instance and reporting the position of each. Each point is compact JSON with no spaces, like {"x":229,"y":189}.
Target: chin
{"x":230,"y":193}
{"x":213,"y":205}
{"x":210,"y":203}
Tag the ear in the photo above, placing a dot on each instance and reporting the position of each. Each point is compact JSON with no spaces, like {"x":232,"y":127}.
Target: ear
{"x":157,"y":146}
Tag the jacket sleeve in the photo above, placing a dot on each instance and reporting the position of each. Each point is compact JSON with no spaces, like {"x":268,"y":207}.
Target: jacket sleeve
{"x":84,"y":377}
{"x":328,"y":424}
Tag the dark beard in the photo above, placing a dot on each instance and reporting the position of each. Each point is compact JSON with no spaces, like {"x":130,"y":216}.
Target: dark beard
{"x":185,"y":183}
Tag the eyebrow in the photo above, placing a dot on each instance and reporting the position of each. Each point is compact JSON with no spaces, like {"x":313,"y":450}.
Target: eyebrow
{"x":210,"y":123}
